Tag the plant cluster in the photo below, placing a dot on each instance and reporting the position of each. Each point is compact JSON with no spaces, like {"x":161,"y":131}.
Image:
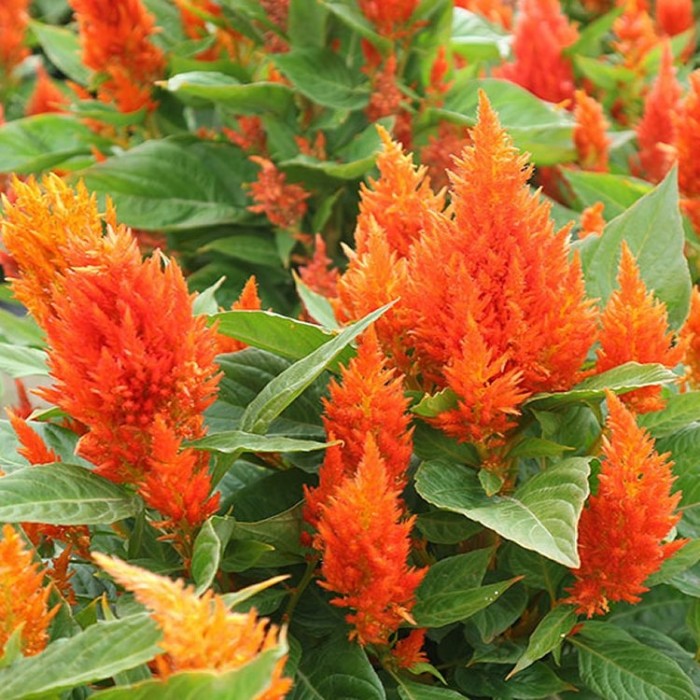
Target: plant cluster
{"x":368,"y":349}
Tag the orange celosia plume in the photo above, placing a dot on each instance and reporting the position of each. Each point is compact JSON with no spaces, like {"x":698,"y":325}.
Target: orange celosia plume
{"x":540,"y":66}
{"x":592,"y":221}
{"x":388,"y":16}
{"x":623,"y":527}
{"x":46,"y":96}
{"x":365,"y":543}
{"x":23,"y":597}
{"x":116,"y":41}
{"x":690,"y":336}
{"x":319,"y":274}
{"x":656,"y":131}
{"x":634,"y":327}
{"x":14,"y":20}
{"x":687,"y":144}
{"x":636,"y":35}
{"x":590,"y":137}
{"x":199,"y":632}
{"x":674,"y":16}
{"x":248,"y":301}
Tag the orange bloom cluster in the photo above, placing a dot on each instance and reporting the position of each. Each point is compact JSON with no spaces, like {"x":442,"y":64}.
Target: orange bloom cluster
{"x":687,"y":144}
{"x":636,"y":34}
{"x":248,"y":301}
{"x":634,"y":327}
{"x":388,"y":15}
{"x":674,"y":16}
{"x":592,"y":221}
{"x":540,"y":66}
{"x":146,"y":369}
{"x":116,"y":43}
{"x":439,"y":153}
{"x":199,"y":632}
{"x":250,"y":134}
{"x":386,"y":98}
{"x":319,"y":274}
{"x":23,"y":598}
{"x":195,"y":27}
{"x":690,"y":337}
{"x":495,"y":11}
{"x":284,"y":205}
{"x":365,"y":542}
{"x":46,"y":96}
{"x":623,"y":527}
{"x":656,"y":131}
{"x":14,"y":19}
{"x":590,"y":137}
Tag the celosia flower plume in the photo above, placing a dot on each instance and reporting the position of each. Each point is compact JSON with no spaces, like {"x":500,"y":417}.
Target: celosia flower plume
{"x":674,"y":16}
{"x":496,"y":11}
{"x":24,"y":600}
{"x":590,"y":137}
{"x":388,"y":16}
{"x":46,"y":96}
{"x":116,"y":41}
{"x":636,"y":34}
{"x":199,"y":632}
{"x":364,"y":541}
{"x":690,"y":336}
{"x":14,"y":20}
{"x":634,"y":327}
{"x":687,"y":144}
{"x":592,"y":221}
{"x":247,"y":301}
{"x":624,"y":526}
{"x":319,"y":274}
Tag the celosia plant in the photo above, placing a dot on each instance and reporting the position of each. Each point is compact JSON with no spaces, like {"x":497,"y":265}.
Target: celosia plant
{"x":355,"y":349}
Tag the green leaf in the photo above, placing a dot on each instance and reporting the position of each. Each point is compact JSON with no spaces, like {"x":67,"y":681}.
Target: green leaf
{"x":101,"y":651}
{"x":322,"y":76}
{"x":680,"y":410}
{"x":279,"y":334}
{"x":607,"y":76}
{"x":286,"y":387}
{"x":41,"y":142}
{"x":535,"y":126}
{"x":538,"y":447}
{"x":316,"y":305}
{"x":63,"y":494}
{"x":622,"y":379}
{"x":432,"y":405}
{"x":255,"y":248}
{"x":237,"y":442}
{"x":307,"y":23}
{"x":18,"y":361}
{"x":233,"y":600}
{"x":349,"y":13}
{"x":681,"y":561}
{"x":62,"y":47}
{"x":617,"y":667}
{"x":245,"y":683}
{"x":476,"y":39}
{"x":430,"y":443}
{"x":224,"y":90}
{"x":541,"y":515}
{"x":536,"y":682}
{"x":336,"y":669}
{"x":208,"y":548}
{"x":205,"y":302}
{"x":411,"y":690}
{"x":653,"y":229}
{"x":617,"y":192}
{"x":175,"y":183}
{"x":444,"y":527}
{"x":548,"y":635}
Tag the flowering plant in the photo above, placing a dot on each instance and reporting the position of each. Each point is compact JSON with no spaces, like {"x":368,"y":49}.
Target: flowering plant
{"x":366,"y":345}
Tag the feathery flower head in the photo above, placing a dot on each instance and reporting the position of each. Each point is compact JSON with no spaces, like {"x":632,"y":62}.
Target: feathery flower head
{"x":23,"y":597}
{"x":623,"y":527}
{"x":656,"y":131}
{"x":49,"y":228}
{"x":116,"y":43}
{"x":32,"y":447}
{"x":495,"y":11}
{"x":674,"y":16}
{"x":636,"y":35}
{"x":248,"y":301}
{"x":634,"y":327}
{"x":14,"y":20}
{"x":439,"y":153}
{"x":540,"y":66}
{"x":199,"y":632}
{"x":283,"y":204}
{"x":365,"y":544}
{"x":386,"y":98}
{"x":590,"y":137}
{"x":46,"y":96}
{"x":690,"y":338}
{"x":319,"y":274}
{"x":687,"y":142}
{"x":592,"y":221}
{"x":388,"y":15}
{"x":408,"y":651}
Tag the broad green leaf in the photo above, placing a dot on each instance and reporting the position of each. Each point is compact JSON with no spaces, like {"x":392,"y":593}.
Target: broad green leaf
{"x":432,"y":405}
{"x":444,"y":527}
{"x":653,"y":230}
{"x":233,"y":600}
{"x":539,"y":573}
{"x":107,"y":113}
{"x":617,"y":667}
{"x":316,"y":305}
{"x":20,"y":330}
{"x":244,"y":98}
{"x":18,"y":361}
{"x":238,"y":442}
{"x":476,"y":39}
{"x":279,"y":334}
{"x":607,"y":76}
{"x":535,"y":126}
{"x":687,"y":556}
{"x":307,"y":23}
{"x":175,"y":183}
{"x":209,"y":546}
{"x":617,"y":192}
{"x":205,"y":302}
{"x":62,"y":47}
{"x":245,"y":555}
{"x":430,"y":443}
{"x":336,"y":669}
{"x":548,"y":635}
{"x":101,"y":651}
{"x":349,"y":13}
{"x":245,"y":683}
{"x":534,"y":683}
{"x":496,"y":619}
{"x":63,"y":494}
{"x":322,"y":76}
{"x":680,"y":410}
{"x":412,"y":690}
{"x":537,"y":447}
{"x":286,"y":387}
{"x":620,"y":379}
{"x":44,"y":141}
{"x":541,"y":515}
{"x":256,"y":249}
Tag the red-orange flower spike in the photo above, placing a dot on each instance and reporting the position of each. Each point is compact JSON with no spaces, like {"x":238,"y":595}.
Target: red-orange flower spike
{"x":116,"y":41}
{"x":400,"y":199}
{"x":14,"y":20}
{"x":388,"y":15}
{"x":199,"y":632}
{"x":687,"y":143}
{"x":365,"y":545}
{"x":283,"y":204}
{"x":690,"y":336}
{"x":623,"y":527}
{"x":656,"y":131}
{"x":590,"y":137}
{"x":32,"y":447}
{"x":674,"y":16}
{"x":540,"y":66}
{"x":408,"y":651}
{"x":592,"y":221}
{"x":386,"y":98}
{"x":23,"y":597}
{"x":439,"y":153}
{"x":319,"y":274}
{"x":248,"y":301}
{"x":495,"y":11}
{"x":634,"y":327}
{"x":636,"y":34}
{"x":46,"y":96}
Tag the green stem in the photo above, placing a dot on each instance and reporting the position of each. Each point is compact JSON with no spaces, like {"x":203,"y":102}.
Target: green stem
{"x":301,"y":587}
